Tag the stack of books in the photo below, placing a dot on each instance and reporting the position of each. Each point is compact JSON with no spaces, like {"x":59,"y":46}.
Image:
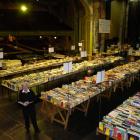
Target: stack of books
{"x":123,"y":123}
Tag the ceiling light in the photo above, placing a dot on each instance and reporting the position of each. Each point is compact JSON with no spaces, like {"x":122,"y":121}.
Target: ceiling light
{"x":23,"y":8}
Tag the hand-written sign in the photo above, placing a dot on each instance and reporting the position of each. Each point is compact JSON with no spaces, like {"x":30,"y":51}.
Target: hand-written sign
{"x":51,"y":50}
{"x":104,"y":26}
{"x":73,"y":47}
{"x":83,"y":53}
{"x":100,"y":76}
{"x":67,"y":67}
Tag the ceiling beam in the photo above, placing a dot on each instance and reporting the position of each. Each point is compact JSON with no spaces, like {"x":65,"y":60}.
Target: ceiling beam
{"x":36,"y":33}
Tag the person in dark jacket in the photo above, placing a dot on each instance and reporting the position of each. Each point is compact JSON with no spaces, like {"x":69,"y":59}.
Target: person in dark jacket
{"x":27,"y":99}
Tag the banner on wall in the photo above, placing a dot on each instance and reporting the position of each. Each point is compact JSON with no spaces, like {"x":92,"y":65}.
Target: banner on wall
{"x":104,"y":26}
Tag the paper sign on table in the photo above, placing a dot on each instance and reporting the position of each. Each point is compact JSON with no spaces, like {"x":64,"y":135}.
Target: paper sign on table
{"x":103,"y":75}
{"x":1,"y":54}
{"x":73,"y":47}
{"x":67,"y":67}
{"x":70,"y":66}
{"x":51,"y":50}
{"x":80,"y":44}
{"x":98,"y":77}
{"x":83,"y":53}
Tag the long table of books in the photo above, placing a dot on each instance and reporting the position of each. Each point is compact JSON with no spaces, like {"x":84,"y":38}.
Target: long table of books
{"x":77,"y":95}
{"x":42,"y":77}
{"x":6,"y":63}
{"x":123,"y":123}
{"x":35,"y":66}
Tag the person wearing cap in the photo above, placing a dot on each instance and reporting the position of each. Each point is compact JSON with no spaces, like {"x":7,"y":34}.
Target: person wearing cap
{"x":27,"y":100}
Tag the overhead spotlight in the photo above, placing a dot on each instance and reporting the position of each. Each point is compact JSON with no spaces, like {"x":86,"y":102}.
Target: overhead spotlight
{"x":23,"y":8}
{"x":40,"y":36}
{"x":55,"y":37}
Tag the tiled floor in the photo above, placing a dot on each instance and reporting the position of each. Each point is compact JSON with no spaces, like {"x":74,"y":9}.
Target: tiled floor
{"x":79,"y":127}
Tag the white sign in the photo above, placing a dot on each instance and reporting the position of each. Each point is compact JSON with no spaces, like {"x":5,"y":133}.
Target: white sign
{"x":67,"y":67}
{"x":73,"y":47}
{"x":130,"y":51}
{"x":104,"y":26}
{"x":83,"y":53}
{"x":80,"y":44}
{"x":100,"y":76}
{"x":51,"y":50}
{"x":80,"y":49}
{"x":103,"y":75}
{"x":1,"y":55}
{"x":70,"y":66}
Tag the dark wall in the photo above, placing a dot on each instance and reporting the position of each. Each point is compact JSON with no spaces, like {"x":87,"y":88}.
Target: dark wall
{"x":134,"y":22}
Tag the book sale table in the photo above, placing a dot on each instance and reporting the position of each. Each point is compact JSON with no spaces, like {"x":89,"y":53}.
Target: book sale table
{"x":18,"y":69}
{"x":46,"y":76}
{"x":123,"y":123}
{"x":77,"y":95}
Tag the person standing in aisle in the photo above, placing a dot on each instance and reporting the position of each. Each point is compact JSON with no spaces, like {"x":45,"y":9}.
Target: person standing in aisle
{"x":27,"y":100}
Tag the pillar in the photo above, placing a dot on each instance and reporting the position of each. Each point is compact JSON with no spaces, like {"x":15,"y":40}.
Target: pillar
{"x":88,"y":28}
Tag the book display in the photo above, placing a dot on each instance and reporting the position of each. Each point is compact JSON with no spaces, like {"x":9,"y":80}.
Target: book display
{"x":39,"y":78}
{"x":69,"y":97}
{"x":8,"y":64}
{"x":123,"y":123}
{"x":38,"y":65}
{"x":132,"y":52}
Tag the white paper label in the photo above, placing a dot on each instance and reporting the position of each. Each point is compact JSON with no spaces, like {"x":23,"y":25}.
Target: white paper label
{"x":103,"y":75}
{"x":67,"y":67}
{"x":1,"y":54}
{"x":80,"y":44}
{"x":70,"y":66}
{"x":100,"y":76}
{"x":104,"y":26}
{"x":83,"y":53}
{"x":51,"y":50}
{"x":73,"y":47}
{"x":80,"y":49}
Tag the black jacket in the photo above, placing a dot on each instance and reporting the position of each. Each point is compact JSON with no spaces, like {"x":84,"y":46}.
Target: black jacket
{"x":29,"y":96}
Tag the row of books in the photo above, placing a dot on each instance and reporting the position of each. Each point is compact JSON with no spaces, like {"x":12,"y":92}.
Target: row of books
{"x":123,"y":123}
{"x":7,"y":64}
{"x":69,"y":96}
{"x":10,"y":67}
{"x":39,"y":78}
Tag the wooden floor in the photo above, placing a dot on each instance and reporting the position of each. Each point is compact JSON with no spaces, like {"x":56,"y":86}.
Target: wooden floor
{"x":79,"y":127}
